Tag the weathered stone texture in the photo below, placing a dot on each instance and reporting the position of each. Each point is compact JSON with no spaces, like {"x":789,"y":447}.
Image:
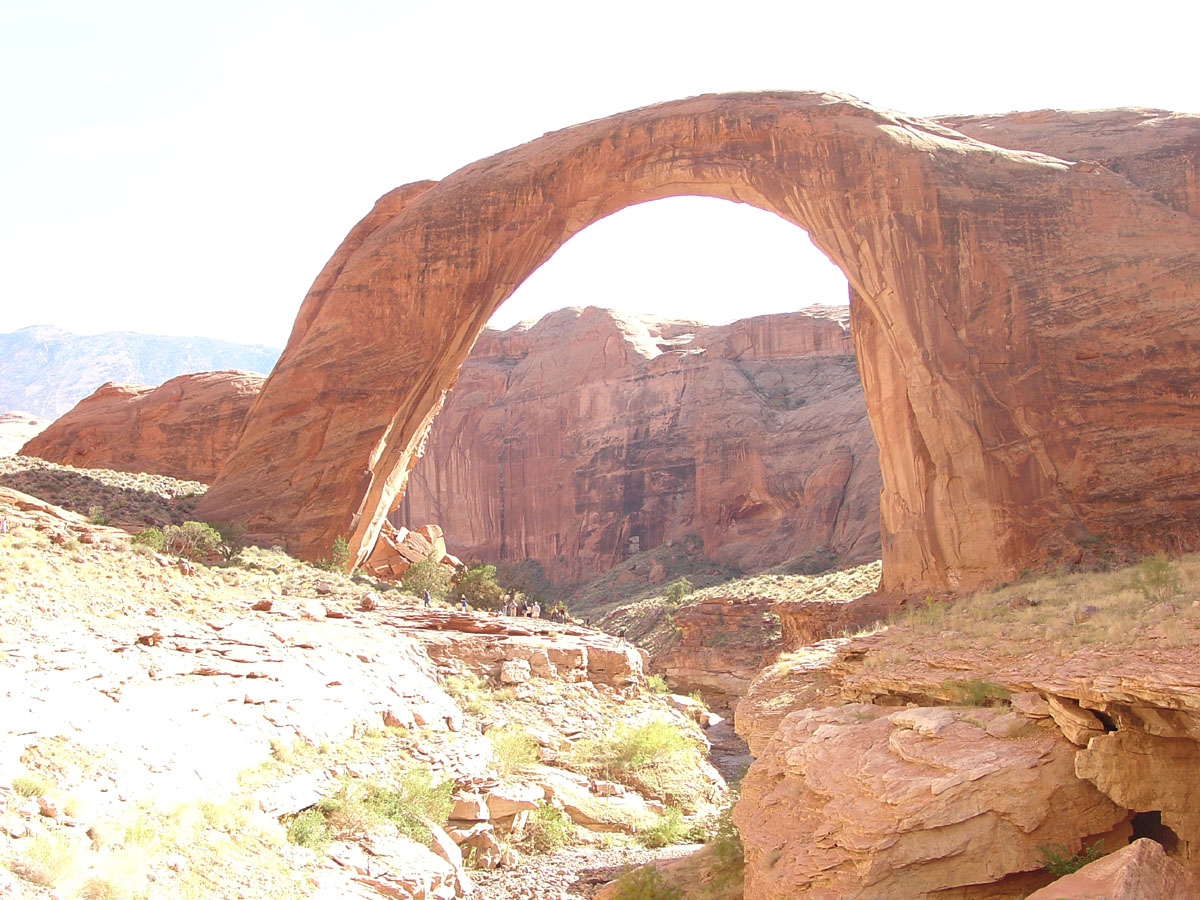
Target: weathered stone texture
{"x":185,"y":427}
{"x":593,"y":434}
{"x":1026,"y":326}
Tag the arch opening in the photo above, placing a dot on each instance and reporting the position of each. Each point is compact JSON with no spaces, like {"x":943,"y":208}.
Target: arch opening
{"x":983,"y":289}
{"x":593,"y":435}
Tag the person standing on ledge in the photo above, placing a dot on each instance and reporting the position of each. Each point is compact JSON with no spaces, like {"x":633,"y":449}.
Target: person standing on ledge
{"x":462,"y":600}
{"x":427,"y":598}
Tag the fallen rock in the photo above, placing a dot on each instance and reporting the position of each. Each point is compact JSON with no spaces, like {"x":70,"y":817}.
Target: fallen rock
{"x":1140,"y":871}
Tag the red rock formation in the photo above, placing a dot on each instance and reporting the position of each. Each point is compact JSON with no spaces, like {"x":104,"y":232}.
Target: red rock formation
{"x":593,"y":434}
{"x":397,"y":549}
{"x":184,"y":428}
{"x":1025,"y":325}
{"x":1141,"y":871}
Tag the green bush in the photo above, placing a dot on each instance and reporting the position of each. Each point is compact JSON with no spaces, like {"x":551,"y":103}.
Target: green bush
{"x":729,"y":855}
{"x":190,"y":540}
{"x":645,"y":883}
{"x":1059,"y":860}
{"x":150,"y":537}
{"x":97,"y":516}
{"x":655,"y":757}
{"x":413,"y":797}
{"x":309,"y":829}
{"x":479,"y":585}
{"x":657,"y":684}
{"x":513,"y":749}
{"x":233,"y":540}
{"x":1156,"y":578}
{"x":426,"y":575}
{"x":668,"y":829}
{"x":677,"y":590}
{"x":339,"y":556}
{"x":547,"y":829}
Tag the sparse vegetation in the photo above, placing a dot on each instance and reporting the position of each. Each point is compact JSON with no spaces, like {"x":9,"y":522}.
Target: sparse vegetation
{"x":309,"y":829}
{"x":975,"y":692}
{"x":654,"y":757}
{"x":668,"y":828}
{"x":232,"y":540}
{"x":338,"y":558}
{"x":513,"y":749}
{"x":150,"y":537}
{"x":548,"y":829}
{"x":657,"y":684}
{"x":191,"y":540}
{"x":426,"y":575}
{"x":677,"y":590}
{"x":30,"y":785}
{"x":1059,"y":860}
{"x":645,"y":883}
{"x":97,"y":516}
{"x":1156,"y":579}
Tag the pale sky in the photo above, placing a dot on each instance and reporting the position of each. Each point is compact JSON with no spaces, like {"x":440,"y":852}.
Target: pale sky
{"x":188,"y":168}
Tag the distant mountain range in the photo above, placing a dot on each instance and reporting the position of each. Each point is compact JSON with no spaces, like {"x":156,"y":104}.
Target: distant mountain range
{"x":45,"y":370}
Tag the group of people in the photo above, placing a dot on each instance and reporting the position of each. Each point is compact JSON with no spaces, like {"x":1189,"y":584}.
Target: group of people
{"x":530,"y":609}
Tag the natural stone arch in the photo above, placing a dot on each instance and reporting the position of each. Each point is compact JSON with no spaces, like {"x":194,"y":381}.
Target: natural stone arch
{"x":992,"y":293}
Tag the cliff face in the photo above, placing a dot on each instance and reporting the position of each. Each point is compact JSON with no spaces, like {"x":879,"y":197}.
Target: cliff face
{"x":184,"y":428}
{"x":593,"y":435}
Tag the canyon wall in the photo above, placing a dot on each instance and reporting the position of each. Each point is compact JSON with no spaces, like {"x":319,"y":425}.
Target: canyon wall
{"x":593,"y":434}
{"x":1026,"y":325}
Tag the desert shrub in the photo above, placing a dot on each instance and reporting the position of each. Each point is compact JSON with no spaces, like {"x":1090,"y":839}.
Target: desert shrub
{"x":645,"y":883}
{"x":667,"y":829}
{"x":547,"y":829}
{"x":479,"y":585}
{"x":1156,"y":578}
{"x":97,"y":516}
{"x":657,"y":684}
{"x":677,"y":590}
{"x":426,"y":575}
{"x":309,"y":829}
{"x":729,"y":855}
{"x":655,"y":757}
{"x":190,"y":540}
{"x":814,"y":562}
{"x":338,"y":558}
{"x":1058,"y":860}
{"x":414,"y":796}
{"x":30,"y":785}
{"x":149,"y":537}
{"x":512,"y":749}
{"x":462,"y":685}
{"x":973,"y":692}
{"x":47,"y":860}
{"x":233,"y":540}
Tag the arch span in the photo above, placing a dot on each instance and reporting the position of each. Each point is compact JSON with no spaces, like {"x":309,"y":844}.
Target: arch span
{"x":997,"y":299}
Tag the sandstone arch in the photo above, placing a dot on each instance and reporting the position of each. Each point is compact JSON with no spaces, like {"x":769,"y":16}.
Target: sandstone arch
{"x":1025,"y":325}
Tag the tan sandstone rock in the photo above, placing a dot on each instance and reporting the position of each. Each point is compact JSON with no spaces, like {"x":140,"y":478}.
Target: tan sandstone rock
{"x":1141,"y":871}
{"x":851,"y":801}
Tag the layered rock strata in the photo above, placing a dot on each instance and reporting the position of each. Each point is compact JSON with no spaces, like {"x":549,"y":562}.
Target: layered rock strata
{"x":1025,"y":324}
{"x":594,"y":434}
{"x":185,"y":427}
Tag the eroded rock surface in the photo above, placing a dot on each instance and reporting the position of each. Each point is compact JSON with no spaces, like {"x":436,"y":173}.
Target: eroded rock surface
{"x":594,"y":434}
{"x":1024,"y":323}
{"x":185,"y":427}
{"x":1141,"y":871}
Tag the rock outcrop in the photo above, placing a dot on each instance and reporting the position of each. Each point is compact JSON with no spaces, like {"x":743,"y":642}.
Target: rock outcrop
{"x":861,"y":801}
{"x":593,"y":434}
{"x":1141,"y":871}
{"x":1025,"y":324}
{"x":185,"y":427}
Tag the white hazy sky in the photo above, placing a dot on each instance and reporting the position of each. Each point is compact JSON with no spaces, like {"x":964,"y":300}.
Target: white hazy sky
{"x":187,"y":168}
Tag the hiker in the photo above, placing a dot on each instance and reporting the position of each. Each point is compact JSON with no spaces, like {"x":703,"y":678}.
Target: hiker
{"x":427,"y":598}
{"x":462,"y":600}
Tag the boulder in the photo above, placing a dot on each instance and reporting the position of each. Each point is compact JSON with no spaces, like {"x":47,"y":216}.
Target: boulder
{"x":1140,"y":871}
